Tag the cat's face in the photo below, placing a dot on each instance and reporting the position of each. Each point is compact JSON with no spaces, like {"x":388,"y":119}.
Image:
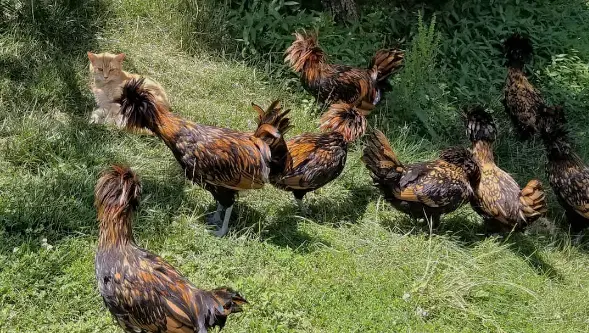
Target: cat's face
{"x":106,"y":66}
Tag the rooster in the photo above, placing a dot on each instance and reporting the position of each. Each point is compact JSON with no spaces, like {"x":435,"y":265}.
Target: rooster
{"x":522,"y":101}
{"x":337,"y":83}
{"x":567,"y":173}
{"x":221,"y":160}
{"x":314,"y":159}
{"x":426,"y":189}
{"x":142,"y":291}
{"x":498,"y":197}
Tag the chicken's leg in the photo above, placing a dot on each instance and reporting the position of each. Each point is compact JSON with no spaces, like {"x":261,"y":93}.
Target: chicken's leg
{"x":223,"y":231}
{"x":303,"y":209}
{"x":299,"y":195}
{"x":215,"y":219}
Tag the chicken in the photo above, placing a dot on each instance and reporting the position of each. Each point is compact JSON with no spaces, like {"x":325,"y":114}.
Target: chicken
{"x":567,"y":173}
{"x":221,"y":160}
{"x":521,"y":100}
{"x":426,"y":189}
{"x":498,"y":198}
{"x":142,"y":291}
{"x":337,"y":83}
{"x":314,"y":159}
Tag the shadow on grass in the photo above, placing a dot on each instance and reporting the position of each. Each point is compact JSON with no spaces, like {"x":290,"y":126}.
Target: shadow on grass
{"x":461,"y":228}
{"x":63,"y":205}
{"x":51,"y":40}
{"x":284,"y":230}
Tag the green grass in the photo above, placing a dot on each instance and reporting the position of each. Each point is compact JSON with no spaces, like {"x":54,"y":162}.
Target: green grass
{"x":354,"y":264}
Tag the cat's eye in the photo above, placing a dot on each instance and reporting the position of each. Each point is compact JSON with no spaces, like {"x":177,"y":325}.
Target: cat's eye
{"x":100,"y":69}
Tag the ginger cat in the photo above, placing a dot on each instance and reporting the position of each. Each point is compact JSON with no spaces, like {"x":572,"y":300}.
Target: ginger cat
{"x":108,"y":78}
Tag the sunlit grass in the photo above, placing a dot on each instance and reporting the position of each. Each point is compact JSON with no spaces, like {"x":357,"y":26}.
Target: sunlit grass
{"x":352,"y":265}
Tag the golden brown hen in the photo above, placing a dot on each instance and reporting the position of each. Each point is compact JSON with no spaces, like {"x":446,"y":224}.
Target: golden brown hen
{"x":338,"y":83}
{"x":426,"y":189}
{"x":314,"y":159}
{"x":567,"y":173}
{"x":522,"y":101}
{"x":221,"y":160}
{"x":142,"y":291}
{"x":498,"y":198}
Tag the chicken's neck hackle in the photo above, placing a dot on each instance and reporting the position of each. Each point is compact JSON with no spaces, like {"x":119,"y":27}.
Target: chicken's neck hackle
{"x":483,"y":151}
{"x":312,"y":69}
{"x":166,"y":124}
{"x":116,"y":227}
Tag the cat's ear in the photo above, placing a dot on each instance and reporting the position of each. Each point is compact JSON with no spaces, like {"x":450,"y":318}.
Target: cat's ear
{"x":92,"y":57}
{"x":120,"y":57}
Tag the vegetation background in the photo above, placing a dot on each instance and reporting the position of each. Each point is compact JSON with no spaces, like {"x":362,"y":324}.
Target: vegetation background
{"x":353,"y":264}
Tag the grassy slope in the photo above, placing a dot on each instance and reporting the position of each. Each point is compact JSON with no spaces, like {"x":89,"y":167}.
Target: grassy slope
{"x":352,"y":265}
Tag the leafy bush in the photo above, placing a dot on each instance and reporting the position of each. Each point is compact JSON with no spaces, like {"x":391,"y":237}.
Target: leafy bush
{"x":419,"y":88}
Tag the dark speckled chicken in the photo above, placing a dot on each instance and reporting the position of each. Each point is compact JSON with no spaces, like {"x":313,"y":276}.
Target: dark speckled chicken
{"x":567,"y":173}
{"x":522,"y":101}
{"x":143,"y":292}
{"x":337,"y":83}
{"x":426,"y":189}
{"x":498,"y":198}
{"x":221,"y":160}
{"x":315,"y":159}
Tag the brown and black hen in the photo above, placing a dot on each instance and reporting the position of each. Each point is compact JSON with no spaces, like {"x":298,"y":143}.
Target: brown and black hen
{"x":567,"y":173}
{"x":498,"y":198}
{"x":522,"y":101}
{"x":314,"y":159}
{"x":142,"y":291}
{"x":426,"y":189}
{"x":331,"y":83}
{"x":222,"y":160}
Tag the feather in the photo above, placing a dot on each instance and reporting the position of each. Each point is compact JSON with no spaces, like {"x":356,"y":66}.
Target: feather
{"x":142,"y":291}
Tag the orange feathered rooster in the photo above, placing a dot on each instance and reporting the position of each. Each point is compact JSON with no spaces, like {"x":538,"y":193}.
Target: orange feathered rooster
{"x":313,"y":160}
{"x":221,"y":160}
{"x":142,"y":291}
{"x":331,"y":83}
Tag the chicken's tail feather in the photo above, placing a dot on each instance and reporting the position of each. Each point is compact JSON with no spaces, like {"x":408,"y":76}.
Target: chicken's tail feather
{"x":138,"y":106}
{"x":272,"y":124}
{"x":380,"y":159}
{"x":386,"y":62}
{"x":220,"y":303}
{"x":303,"y":50}
{"x":480,"y":125}
{"x":533,"y":200}
{"x":346,"y":119}
{"x":117,"y":191}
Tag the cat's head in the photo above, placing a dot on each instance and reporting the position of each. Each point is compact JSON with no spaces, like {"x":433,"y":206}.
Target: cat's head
{"x":106,"y":66}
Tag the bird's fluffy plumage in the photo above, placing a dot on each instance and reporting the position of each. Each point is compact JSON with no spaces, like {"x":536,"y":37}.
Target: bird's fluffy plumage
{"x":498,"y":198}
{"x":331,"y":83}
{"x":142,"y":291}
{"x":521,"y":101}
{"x":427,"y":189}
{"x":567,"y":173}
